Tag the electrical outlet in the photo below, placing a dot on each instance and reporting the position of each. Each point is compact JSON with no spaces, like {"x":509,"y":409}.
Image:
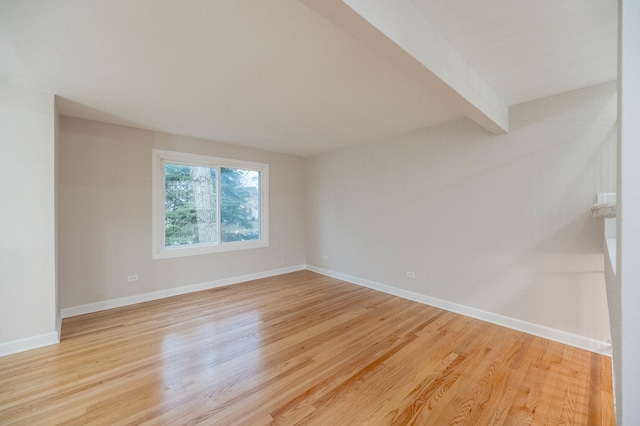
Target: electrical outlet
{"x":411,"y":274}
{"x":133,"y":277}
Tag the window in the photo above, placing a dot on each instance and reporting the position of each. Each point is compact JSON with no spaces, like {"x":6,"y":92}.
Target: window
{"x":205,"y":204}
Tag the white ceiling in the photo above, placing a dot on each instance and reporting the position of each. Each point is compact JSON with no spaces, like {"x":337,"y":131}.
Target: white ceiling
{"x":275,"y":75}
{"x":530,"y":49}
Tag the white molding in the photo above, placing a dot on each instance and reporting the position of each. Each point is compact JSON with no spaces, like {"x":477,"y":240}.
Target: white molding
{"x":161,"y":294}
{"x":34,"y":342}
{"x":571,"y":339}
{"x":603,"y":348}
{"x":59,"y":325}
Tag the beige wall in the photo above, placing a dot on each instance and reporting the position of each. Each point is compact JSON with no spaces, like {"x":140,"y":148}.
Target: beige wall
{"x":27,"y":226}
{"x":105,"y":215}
{"x":496,"y":223}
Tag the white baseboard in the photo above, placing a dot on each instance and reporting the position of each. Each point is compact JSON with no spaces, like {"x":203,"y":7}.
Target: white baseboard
{"x":161,"y":294}
{"x":34,"y":342}
{"x":556,"y":335}
{"x":575,"y":340}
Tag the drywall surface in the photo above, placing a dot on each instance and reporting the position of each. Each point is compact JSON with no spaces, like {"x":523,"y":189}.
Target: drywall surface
{"x":105,"y":215}
{"x":499,"y":223}
{"x":27,"y":247}
{"x":625,"y":317}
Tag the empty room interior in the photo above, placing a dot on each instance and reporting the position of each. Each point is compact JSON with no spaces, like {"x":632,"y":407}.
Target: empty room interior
{"x":326,"y":212}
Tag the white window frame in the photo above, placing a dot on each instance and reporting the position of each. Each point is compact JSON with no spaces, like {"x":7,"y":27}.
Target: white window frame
{"x":160,"y":158}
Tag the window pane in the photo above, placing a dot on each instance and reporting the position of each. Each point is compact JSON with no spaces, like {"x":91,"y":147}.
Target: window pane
{"x":239,"y":204}
{"x":190,"y":205}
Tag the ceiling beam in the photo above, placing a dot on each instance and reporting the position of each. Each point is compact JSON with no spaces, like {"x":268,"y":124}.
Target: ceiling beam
{"x":398,"y":31}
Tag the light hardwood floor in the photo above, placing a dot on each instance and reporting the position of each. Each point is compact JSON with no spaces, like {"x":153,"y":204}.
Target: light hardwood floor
{"x":300,"y":348}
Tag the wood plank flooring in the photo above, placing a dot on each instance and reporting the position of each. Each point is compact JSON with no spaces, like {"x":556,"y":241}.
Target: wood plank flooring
{"x":302,"y":349}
